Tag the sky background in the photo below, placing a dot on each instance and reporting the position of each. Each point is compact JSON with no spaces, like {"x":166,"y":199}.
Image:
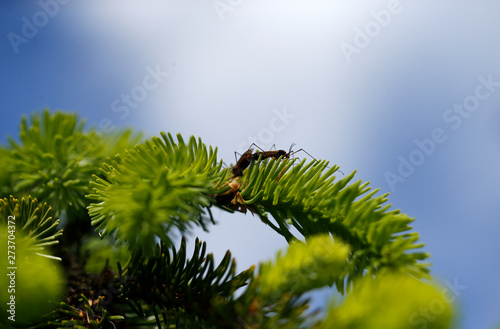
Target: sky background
{"x":360,"y":83}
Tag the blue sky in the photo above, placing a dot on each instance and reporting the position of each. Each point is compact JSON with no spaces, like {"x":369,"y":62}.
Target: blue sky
{"x":362,"y":84}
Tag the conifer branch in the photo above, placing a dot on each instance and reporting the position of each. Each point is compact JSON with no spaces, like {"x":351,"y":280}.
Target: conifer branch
{"x":306,"y":197}
{"x":33,"y":221}
{"x":141,"y":196}
{"x":155,"y":187}
{"x":174,"y":284}
{"x":55,"y":158}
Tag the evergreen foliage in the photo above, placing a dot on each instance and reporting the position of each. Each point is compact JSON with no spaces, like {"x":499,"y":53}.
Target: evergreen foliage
{"x":27,"y":231}
{"x":128,"y":271}
{"x":33,"y":221}
{"x":153,"y":188}
{"x":319,"y":262}
{"x":411,"y":303}
{"x":55,"y":156}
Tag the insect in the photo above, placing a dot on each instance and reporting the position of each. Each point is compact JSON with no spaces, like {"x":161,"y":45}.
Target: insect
{"x":278,"y":153}
{"x":231,"y":198}
{"x":246,"y":158}
{"x":243,"y":163}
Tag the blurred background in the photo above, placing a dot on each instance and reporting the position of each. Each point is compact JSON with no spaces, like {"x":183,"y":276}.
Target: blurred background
{"x":405,"y":92}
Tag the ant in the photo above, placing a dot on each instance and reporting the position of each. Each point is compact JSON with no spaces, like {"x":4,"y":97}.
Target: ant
{"x":243,"y":163}
{"x":278,"y":153}
{"x":232,"y":198}
{"x":246,"y":158}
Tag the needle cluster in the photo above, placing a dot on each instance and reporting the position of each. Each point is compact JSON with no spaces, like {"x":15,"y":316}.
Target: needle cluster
{"x":121,"y":209}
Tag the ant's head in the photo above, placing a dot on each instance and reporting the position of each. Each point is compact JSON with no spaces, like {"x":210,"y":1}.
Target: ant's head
{"x":282,"y":153}
{"x":290,"y":150}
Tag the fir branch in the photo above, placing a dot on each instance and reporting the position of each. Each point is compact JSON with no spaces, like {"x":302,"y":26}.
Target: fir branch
{"x":307,"y":197}
{"x":175,"y":286}
{"x":33,"y":221}
{"x":275,"y":297}
{"x":55,"y":157}
{"x":306,"y":266}
{"x":391,"y":301}
{"x":161,"y":186}
{"x":91,"y":315}
{"x":153,"y":188}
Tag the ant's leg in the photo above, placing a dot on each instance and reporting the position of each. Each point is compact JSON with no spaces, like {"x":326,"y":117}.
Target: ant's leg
{"x":340,"y":171}
{"x":295,"y":152}
{"x":292,"y":153}
{"x":257,"y":146}
{"x":237,"y":155}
